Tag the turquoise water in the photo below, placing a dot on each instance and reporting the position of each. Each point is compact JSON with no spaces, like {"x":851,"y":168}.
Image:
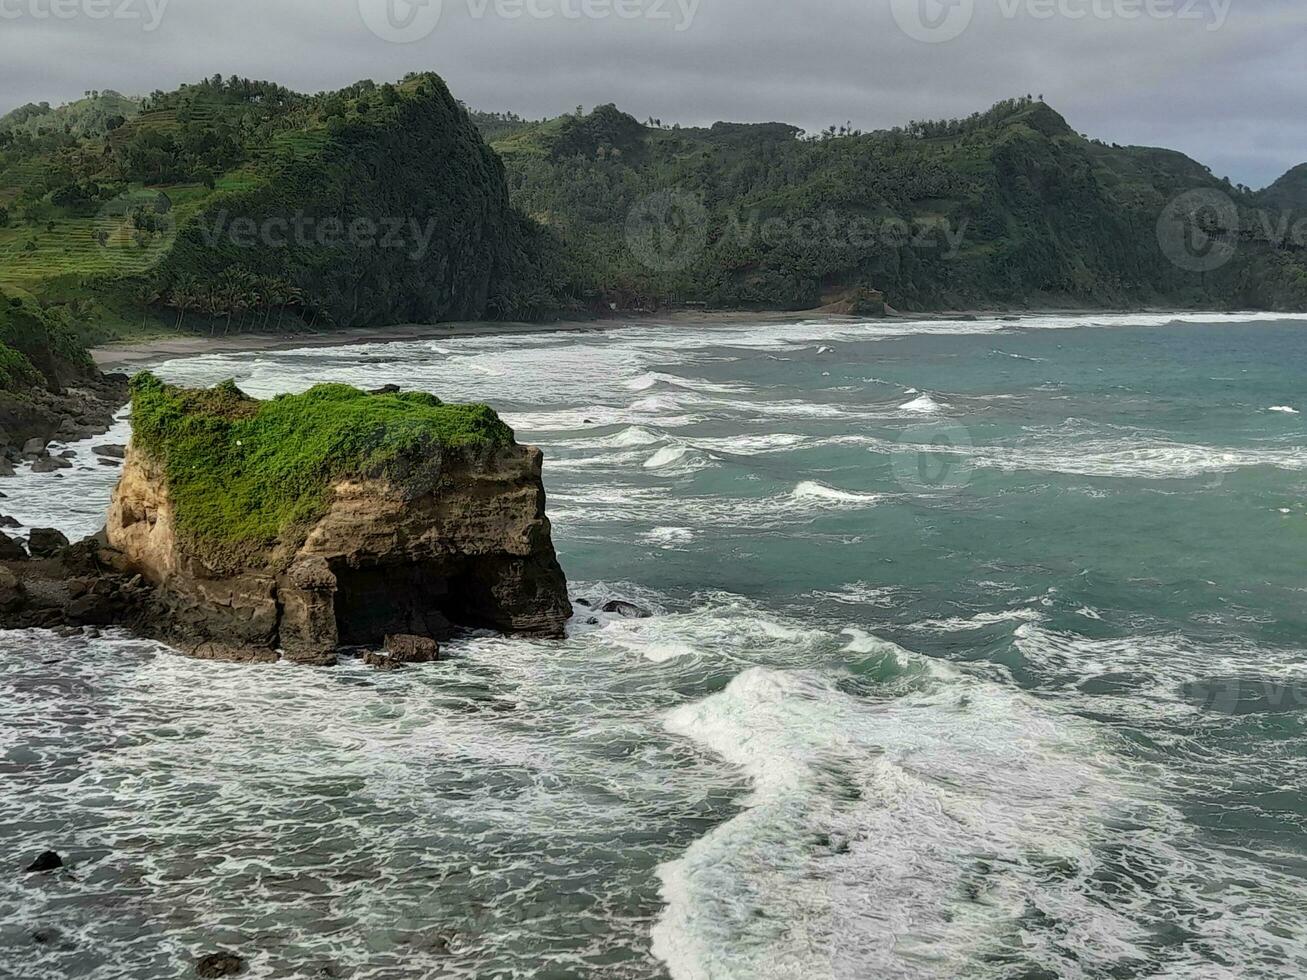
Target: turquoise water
{"x":979,"y":649}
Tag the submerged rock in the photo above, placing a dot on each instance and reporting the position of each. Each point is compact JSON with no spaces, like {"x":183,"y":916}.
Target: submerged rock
{"x":45,"y":861}
{"x":626,"y":610}
{"x":379,"y":661}
{"x":219,"y":965}
{"x":413,"y":649}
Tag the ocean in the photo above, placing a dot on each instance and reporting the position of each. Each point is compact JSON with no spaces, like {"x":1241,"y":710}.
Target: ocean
{"x":979,"y":649}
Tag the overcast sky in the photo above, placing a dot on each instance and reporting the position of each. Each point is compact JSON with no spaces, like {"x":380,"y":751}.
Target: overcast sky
{"x":1222,"y":80}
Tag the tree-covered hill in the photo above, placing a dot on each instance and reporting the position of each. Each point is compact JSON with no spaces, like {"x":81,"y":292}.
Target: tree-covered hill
{"x":233,"y":204}
{"x":1289,"y":192}
{"x":1009,"y":207}
{"x":95,"y":114}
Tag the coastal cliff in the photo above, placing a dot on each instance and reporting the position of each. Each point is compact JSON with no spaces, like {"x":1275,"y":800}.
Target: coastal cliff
{"x":256,"y":531}
{"x":49,"y":387}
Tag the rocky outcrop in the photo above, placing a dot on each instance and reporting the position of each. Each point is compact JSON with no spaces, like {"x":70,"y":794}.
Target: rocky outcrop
{"x":475,"y":551}
{"x":33,"y":418}
{"x":287,"y":529}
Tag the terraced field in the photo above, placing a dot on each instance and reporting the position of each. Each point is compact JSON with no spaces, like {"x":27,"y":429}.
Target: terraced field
{"x":105,"y":243}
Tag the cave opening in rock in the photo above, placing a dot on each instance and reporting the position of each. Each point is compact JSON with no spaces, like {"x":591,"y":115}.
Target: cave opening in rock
{"x":420,"y":599}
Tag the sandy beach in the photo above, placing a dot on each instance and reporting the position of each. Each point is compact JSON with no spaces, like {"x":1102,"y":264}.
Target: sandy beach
{"x":131,"y":355}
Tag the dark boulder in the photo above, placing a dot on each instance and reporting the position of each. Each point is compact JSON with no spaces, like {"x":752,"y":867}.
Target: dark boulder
{"x":45,"y":861}
{"x":219,"y":965}
{"x":626,"y":610}
{"x":7,"y":521}
{"x":91,"y":610}
{"x":48,"y":464}
{"x":379,"y":661}
{"x":46,"y":542}
{"x":413,"y":649}
{"x":11,"y":549}
{"x":110,"y":452}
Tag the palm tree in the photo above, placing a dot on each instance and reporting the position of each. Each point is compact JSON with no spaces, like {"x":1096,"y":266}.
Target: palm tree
{"x":294,"y":299}
{"x":183,"y":298}
{"x":148,"y":295}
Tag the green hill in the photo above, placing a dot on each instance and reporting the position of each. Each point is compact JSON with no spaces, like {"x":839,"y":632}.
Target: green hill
{"x":1009,"y":207}
{"x":1289,"y":192}
{"x":96,"y":114}
{"x":235,"y":204}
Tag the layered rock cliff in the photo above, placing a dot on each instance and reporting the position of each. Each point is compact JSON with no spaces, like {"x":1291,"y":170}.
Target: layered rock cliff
{"x":255,"y":531}
{"x":476,"y":550}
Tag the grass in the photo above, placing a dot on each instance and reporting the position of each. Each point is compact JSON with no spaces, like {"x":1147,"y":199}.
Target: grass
{"x":245,"y":475}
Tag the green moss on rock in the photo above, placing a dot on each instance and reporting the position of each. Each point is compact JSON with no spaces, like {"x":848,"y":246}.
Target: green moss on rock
{"x":245,"y":474}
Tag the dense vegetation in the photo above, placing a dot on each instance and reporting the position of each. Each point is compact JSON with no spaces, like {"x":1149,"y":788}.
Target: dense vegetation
{"x":1009,"y":207}
{"x":37,"y":346}
{"x":246,"y":474}
{"x":235,"y":204}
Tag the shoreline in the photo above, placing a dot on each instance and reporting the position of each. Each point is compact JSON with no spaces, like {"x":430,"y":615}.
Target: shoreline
{"x":130,"y":355}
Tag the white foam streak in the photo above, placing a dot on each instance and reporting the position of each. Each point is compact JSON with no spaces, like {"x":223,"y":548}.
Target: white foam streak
{"x":865,"y":822}
{"x":820,"y":493}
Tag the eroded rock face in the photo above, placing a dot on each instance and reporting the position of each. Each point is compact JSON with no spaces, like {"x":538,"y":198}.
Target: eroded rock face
{"x":475,"y":551}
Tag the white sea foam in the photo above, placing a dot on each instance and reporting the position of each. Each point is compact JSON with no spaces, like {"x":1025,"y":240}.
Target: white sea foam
{"x":979,"y":621}
{"x":669,"y":538}
{"x":866,"y":822}
{"x":1075,"y":453}
{"x":635,"y":435}
{"x":861,"y":593}
{"x":1283,"y":409}
{"x":74,"y":500}
{"x":820,"y":493}
{"x":752,"y":445}
{"x":677,"y":459}
{"x":925,"y":405}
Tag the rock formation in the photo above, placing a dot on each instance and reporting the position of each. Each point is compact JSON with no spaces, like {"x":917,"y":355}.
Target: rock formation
{"x":475,"y":551}
{"x":446,"y":536}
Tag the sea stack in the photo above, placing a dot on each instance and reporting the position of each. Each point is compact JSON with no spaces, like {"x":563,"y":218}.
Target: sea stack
{"x":290,"y":528}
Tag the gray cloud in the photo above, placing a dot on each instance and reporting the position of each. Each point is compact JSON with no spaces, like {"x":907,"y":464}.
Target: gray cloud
{"x":1221,"y":80}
